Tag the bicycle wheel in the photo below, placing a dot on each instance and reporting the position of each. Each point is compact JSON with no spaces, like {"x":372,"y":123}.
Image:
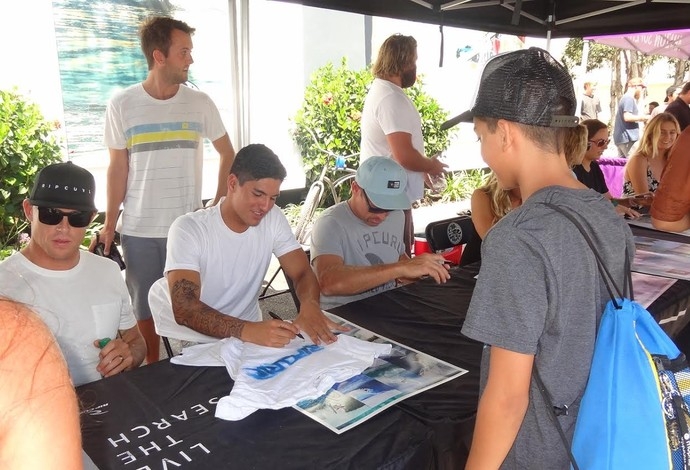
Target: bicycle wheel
{"x":311,"y":202}
{"x":342,"y":180}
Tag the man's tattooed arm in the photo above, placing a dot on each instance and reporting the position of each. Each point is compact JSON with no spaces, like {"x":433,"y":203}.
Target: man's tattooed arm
{"x":190,"y":311}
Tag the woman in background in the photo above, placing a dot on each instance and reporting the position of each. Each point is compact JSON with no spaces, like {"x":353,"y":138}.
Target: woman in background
{"x":644,"y":167}
{"x":490,"y":203}
{"x":589,"y":173}
{"x":39,"y":416}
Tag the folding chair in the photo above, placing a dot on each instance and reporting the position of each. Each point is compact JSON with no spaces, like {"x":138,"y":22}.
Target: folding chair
{"x":164,"y":319}
{"x":302,"y":233}
{"x":449,"y":233}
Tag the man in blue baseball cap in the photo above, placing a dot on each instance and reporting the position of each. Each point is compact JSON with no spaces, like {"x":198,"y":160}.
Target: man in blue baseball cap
{"x":357,"y":246}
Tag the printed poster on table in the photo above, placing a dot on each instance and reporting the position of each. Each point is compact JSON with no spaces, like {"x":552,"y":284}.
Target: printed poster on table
{"x":662,"y":258}
{"x":646,"y":222}
{"x":391,"y":378}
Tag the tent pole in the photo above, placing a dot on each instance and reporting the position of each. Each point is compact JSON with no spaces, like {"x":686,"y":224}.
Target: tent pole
{"x":580,"y":81}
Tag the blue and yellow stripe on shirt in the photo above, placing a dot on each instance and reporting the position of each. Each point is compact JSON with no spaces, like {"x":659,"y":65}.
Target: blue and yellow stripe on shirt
{"x":163,"y":136}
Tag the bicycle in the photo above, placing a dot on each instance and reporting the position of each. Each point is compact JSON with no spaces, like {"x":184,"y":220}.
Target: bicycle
{"x":317,"y":190}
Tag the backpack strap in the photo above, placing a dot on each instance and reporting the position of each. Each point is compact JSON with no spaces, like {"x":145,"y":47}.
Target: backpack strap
{"x":552,"y":414}
{"x":603,"y":270}
{"x":612,"y":289}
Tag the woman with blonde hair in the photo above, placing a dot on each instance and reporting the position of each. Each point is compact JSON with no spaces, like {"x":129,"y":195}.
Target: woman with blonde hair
{"x":644,"y":167}
{"x":575,"y":145}
{"x":490,"y":203}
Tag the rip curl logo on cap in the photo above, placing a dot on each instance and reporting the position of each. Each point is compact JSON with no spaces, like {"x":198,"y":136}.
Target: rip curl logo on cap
{"x":393,"y":184}
{"x":65,"y":187}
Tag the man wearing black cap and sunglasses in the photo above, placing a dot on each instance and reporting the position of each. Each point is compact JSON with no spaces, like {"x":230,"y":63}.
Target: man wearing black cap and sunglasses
{"x":81,"y":297}
{"x":357,"y":246}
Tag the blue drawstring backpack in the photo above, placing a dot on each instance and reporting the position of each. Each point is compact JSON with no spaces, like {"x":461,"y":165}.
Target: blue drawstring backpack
{"x":635,"y":411}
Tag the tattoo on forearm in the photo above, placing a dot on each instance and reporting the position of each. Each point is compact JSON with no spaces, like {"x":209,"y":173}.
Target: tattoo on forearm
{"x":190,"y":311}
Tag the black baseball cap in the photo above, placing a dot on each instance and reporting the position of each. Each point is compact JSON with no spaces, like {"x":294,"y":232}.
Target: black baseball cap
{"x":64,"y":185}
{"x":527,"y":86}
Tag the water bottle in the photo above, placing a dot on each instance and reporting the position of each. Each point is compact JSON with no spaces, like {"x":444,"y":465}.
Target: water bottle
{"x":438,"y":182}
{"x":339,"y":162}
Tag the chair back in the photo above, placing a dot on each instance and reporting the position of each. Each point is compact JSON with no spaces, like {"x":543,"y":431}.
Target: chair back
{"x":164,"y":319}
{"x":449,"y":233}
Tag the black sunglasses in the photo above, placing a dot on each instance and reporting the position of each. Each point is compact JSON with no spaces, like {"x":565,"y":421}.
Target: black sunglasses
{"x":372,"y":208}
{"x":598,"y":143}
{"x":53,"y":216}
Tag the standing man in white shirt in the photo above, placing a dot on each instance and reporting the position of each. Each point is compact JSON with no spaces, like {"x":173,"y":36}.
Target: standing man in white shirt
{"x":155,"y":131}
{"x":392,"y":126}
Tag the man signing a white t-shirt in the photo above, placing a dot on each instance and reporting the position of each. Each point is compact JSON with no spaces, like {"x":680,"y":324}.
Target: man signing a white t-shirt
{"x":218,"y":257}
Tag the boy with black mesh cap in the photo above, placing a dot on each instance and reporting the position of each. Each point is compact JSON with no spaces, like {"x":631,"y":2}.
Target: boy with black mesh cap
{"x":538,"y":297}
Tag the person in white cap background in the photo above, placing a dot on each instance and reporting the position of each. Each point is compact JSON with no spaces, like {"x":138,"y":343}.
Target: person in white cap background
{"x":357,"y":246}
{"x":538,"y":296}
{"x":79,"y":295}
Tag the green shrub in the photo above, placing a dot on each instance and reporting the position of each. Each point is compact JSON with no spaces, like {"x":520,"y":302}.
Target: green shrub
{"x":27,"y":144}
{"x":332,"y":110}
{"x":461,"y":185}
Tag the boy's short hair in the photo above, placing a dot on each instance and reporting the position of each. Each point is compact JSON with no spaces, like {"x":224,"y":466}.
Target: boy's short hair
{"x":255,"y":162}
{"x":528,"y":87}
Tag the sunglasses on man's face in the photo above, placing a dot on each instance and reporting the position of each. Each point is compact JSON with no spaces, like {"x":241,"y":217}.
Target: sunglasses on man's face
{"x":599,"y":143}
{"x":53,"y":216}
{"x":372,"y":208}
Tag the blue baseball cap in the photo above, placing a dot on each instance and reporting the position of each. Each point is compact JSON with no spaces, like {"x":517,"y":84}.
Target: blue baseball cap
{"x":384,"y":181}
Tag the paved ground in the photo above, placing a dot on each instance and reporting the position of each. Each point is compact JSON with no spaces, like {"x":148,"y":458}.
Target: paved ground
{"x":283,"y":304}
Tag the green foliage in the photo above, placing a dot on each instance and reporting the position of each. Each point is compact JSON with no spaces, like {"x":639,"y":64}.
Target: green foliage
{"x":331,"y":111}
{"x":601,"y":55}
{"x":292,"y":213}
{"x":91,"y":230}
{"x":461,"y":185}
{"x":26,"y":145}
{"x":14,"y":240}
{"x":331,"y":114}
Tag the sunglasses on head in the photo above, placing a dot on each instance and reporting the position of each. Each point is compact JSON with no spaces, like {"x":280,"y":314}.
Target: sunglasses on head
{"x":53,"y":216}
{"x":372,"y":208}
{"x":598,"y":143}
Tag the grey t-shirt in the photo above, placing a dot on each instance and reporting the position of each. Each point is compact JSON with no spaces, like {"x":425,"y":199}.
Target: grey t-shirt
{"x":539,"y":292}
{"x":339,"y":232}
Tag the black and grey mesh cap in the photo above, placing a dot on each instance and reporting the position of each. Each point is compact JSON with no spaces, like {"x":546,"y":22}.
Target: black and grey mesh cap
{"x":527,"y":86}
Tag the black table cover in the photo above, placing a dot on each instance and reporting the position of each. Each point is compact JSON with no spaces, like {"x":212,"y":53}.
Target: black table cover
{"x":166,"y":411}
{"x":161,"y":417}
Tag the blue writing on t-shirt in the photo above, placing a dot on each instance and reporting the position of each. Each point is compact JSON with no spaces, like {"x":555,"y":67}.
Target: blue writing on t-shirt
{"x":266,"y":371}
